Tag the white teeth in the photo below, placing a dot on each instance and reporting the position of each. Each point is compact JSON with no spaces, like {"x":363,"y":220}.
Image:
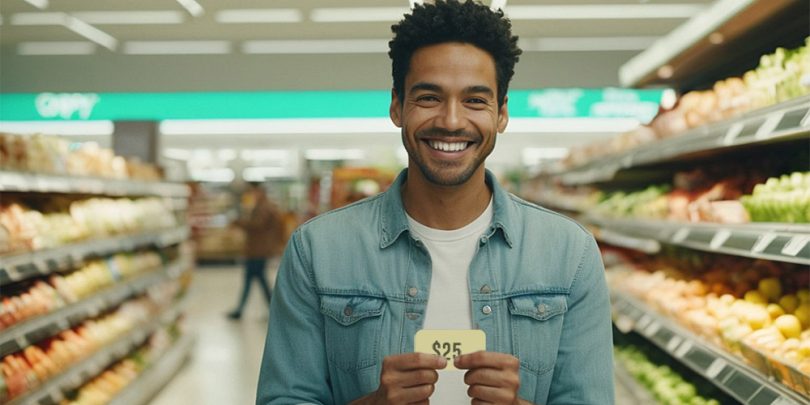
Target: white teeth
{"x":448,"y":147}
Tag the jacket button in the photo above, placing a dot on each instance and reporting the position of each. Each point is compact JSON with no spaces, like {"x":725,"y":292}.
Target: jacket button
{"x":541,"y":309}
{"x":486,"y":309}
{"x":413,"y":291}
{"x":483,"y":240}
{"x":348,"y":311}
{"x":485,"y":289}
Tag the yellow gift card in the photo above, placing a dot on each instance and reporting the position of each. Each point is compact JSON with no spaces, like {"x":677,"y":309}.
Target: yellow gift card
{"x":449,"y":343}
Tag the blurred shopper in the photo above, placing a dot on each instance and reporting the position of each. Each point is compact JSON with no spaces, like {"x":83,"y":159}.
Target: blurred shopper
{"x":264,"y":239}
{"x":445,"y":247}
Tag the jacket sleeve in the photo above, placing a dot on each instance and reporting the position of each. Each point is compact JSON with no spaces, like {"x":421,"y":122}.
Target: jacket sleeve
{"x":583,"y":373}
{"x":294,"y":367}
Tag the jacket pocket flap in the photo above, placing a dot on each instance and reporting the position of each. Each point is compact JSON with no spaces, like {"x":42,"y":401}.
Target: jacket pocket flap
{"x":540,"y":307}
{"x":347,"y":310}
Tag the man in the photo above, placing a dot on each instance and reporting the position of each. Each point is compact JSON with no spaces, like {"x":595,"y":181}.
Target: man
{"x":444,"y":248}
{"x":264,"y":238}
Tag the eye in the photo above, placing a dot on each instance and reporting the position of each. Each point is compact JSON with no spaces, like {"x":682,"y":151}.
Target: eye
{"x":477,"y":100}
{"x":427,"y":98}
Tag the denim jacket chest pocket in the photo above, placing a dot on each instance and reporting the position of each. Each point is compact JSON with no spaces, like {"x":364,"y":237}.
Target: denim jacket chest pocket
{"x":352,"y":327}
{"x":537,"y":321}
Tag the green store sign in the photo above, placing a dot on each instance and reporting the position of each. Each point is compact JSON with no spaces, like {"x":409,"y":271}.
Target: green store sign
{"x":544,"y":103}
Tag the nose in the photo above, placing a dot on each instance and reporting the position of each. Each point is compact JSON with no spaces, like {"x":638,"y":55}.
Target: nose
{"x":451,"y":117}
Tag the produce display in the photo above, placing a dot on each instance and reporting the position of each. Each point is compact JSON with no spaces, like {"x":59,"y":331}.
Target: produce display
{"x":103,"y":388}
{"x":62,"y":221}
{"x":667,"y":386}
{"x":764,"y":305}
{"x":783,"y":199}
{"x":54,"y":155}
{"x":780,"y":76}
{"x":32,"y":298}
{"x":25,"y":371}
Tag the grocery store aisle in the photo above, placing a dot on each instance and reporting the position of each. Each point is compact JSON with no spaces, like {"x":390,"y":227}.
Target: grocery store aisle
{"x":224,"y":365}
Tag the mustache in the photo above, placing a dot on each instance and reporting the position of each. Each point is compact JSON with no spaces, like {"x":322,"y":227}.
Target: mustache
{"x":443,"y":133}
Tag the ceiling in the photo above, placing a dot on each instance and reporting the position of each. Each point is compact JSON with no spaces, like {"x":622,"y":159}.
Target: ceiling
{"x":566,"y":44}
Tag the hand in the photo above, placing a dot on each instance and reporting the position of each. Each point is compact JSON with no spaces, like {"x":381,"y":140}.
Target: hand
{"x":494,"y":378}
{"x":406,"y":379}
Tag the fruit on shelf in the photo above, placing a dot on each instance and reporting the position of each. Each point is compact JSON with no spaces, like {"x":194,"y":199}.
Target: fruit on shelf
{"x":782,"y":199}
{"x":47,"y":154}
{"x":666,"y":385}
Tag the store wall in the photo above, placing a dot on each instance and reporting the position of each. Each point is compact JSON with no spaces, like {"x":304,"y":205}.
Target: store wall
{"x":107,"y":72}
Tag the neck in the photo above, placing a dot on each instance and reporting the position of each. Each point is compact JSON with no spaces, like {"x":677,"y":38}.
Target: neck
{"x":445,"y":207}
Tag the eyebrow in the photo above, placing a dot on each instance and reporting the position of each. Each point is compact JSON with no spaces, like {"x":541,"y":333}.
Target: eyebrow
{"x":479,"y":89}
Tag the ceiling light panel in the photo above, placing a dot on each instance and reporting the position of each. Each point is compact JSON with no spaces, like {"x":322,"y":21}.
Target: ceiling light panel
{"x":193,"y":8}
{"x":40,"y":4}
{"x":248,"y":16}
{"x":359,"y":14}
{"x":315,"y":46}
{"x":56,"y":48}
{"x":597,"y":44}
{"x":177,"y":47}
{"x":90,"y":32}
{"x":48,"y":18}
{"x":603,"y":11}
{"x":130,"y":17}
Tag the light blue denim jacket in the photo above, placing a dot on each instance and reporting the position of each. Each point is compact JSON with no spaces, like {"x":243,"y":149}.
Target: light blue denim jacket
{"x":353,"y":286}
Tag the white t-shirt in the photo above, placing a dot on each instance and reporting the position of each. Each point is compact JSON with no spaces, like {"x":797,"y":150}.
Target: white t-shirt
{"x":449,"y":305}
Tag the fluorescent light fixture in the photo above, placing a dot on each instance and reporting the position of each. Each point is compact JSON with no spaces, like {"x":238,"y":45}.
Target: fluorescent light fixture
{"x":38,"y":18}
{"x":262,"y":173}
{"x":177,"y":47}
{"x":322,"y":46}
{"x":533,"y":155}
{"x":603,"y":11}
{"x":56,"y":48}
{"x":226,"y":155}
{"x":75,"y":128}
{"x":241,"y":16}
{"x":213,"y":175}
{"x":358,"y":14}
{"x":564,"y":44}
{"x":40,"y":4}
{"x":278,"y":126}
{"x":193,"y":8}
{"x":130,"y":17}
{"x":571,"y":125}
{"x":179,"y":154}
{"x":90,"y":32}
{"x":334,"y":154}
{"x":264,"y":155}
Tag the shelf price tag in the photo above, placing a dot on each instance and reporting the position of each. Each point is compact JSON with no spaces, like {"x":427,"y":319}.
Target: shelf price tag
{"x":680,"y":235}
{"x":766,"y":129}
{"x":795,"y":245}
{"x":652,"y":328}
{"x":643,"y":322}
{"x":719,"y":239}
{"x":732,"y":134}
{"x":685,"y":348}
{"x":715,"y":368}
{"x":763,"y":241}
{"x":673,"y":343}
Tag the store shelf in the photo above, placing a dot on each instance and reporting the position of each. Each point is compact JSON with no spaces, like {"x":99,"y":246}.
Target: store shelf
{"x":53,"y":390}
{"x":770,"y":241}
{"x":42,"y":262}
{"x":640,"y":394}
{"x":725,"y":371}
{"x":34,"y":330}
{"x":156,"y":376}
{"x":50,"y":183}
{"x":789,"y":121}
{"x":717,"y":42}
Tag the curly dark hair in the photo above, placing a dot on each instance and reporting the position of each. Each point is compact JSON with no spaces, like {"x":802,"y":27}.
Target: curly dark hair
{"x":452,"y":21}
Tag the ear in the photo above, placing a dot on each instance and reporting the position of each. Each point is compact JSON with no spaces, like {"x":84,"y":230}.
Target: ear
{"x":395,"y":109}
{"x":503,"y":115}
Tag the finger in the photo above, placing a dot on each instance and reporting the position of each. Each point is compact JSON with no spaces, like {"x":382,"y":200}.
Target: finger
{"x":482,"y":359}
{"x":408,"y":395}
{"x":413,"y":361}
{"x":410,"y":378}
{"x":493,"y":395}
{"x":492,"y":377}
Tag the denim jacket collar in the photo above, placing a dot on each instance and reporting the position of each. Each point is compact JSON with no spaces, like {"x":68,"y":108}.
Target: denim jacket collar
{"x":394,"y":222}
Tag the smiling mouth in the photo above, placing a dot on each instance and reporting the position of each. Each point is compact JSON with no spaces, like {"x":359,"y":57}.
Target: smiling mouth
{"x":448,"y":146}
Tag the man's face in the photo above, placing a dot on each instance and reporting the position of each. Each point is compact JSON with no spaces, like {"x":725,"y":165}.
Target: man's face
{"x":449,"y":114}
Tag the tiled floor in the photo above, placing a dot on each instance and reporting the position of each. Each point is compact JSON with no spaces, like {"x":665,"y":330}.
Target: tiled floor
{"x":224,"y":365}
